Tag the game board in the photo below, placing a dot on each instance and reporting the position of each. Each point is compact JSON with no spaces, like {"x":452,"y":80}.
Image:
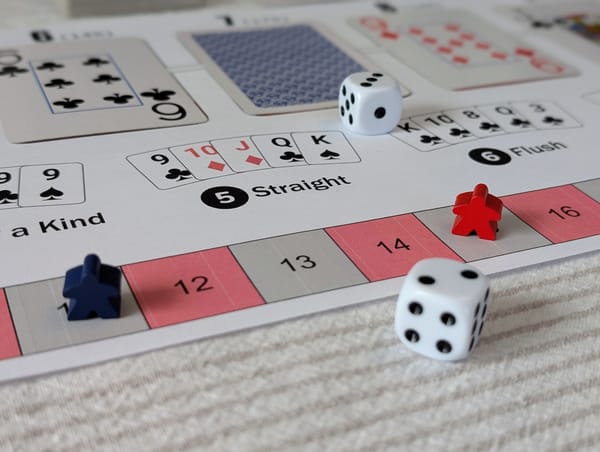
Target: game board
{"x":203,"y":155}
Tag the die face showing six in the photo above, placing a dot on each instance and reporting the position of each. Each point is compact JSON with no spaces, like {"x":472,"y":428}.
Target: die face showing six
{"x":441,"y":309}
{"x":370,"y":103}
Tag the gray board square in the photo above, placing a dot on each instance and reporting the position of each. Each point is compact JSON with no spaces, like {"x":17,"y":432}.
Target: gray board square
{"x":513,"y":235}
{"x":318,"y":263}
{"x":590,"y":188}
{"x":41,"y":326}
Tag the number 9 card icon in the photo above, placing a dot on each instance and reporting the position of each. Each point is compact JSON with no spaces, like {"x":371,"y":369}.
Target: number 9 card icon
{"x":224,"y":197}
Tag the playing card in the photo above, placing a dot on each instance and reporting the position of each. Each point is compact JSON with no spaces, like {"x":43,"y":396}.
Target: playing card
{"x":443,"y":126}
{"x":162,"y":168}
{"x":573,"y":24}
{"x":508,"y":117}
{"x":277,"y":69}
{"x":9,"y":188}
{"x":545,"y":115}
{"x":325,"y":147}
{"x":52,"y":184}
{"x":422,"y":139}
{"x":475,"y":121}
{"x":458,"y":50}
{"x":88,"y":87}
{"x":202,"y":159}
{"x":279,"y":149}
{"x":240,"y":154}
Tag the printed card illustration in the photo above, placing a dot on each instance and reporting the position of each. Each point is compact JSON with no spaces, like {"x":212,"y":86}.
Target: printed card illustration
{"x":574,"y":24}
{"x":9,"y":188}
{"x":47,"y":185}
{"x":277,"y":69}
{"x":458,"y":50}
{"x":88,"y":87}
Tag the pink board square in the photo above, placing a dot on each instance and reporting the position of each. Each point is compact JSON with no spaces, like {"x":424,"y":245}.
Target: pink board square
{"x":377,"y":247}
{"x":560,"y":214}
{"x":191,"y":286}
{"x":9,"y":346}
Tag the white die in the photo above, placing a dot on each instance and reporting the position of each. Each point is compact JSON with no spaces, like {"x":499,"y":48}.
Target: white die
{"x":370,"y":103}
{"x":441,"y":308}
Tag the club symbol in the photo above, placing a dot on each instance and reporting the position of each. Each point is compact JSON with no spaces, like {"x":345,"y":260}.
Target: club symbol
{"x":95,"y":61}
{"x":106,"y":78}
{"x":59,"y":83}
{"x":157,"y":94}
{"x":119,"y":98}
{"x":11,"y":71}
{"x":291,"y":156}
{"x":8,"y":197}
{"x":430,"y":139}
{"x":52,"y":194}
{"x":178,"y":175}
{"x":489,"y":126}
{"x":553,"y":121}
{"x":523,"y":123}
{"x":456,"y":132}
{"x":329,"y":155}
{"x":50,"y":66}
{"x":68,"y":103}
{"x":541,"y":24}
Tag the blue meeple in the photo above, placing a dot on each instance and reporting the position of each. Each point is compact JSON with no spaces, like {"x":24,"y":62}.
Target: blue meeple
{"x":93,"y":289}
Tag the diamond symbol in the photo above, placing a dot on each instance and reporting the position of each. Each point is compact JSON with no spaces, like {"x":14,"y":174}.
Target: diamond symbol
{"x":216,"y":165}
{"x":254,"y":160}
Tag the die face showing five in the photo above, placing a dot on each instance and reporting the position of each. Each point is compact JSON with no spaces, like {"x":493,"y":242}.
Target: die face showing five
{"x":370,"y":103}
{"x":441,"y":309}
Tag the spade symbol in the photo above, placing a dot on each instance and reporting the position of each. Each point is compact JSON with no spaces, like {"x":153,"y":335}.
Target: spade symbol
{"x":541,"y":24}
{"x":8,"y":197}
{"x":456,"y":132}
{"x":157,"y":94}
{"x":51,"y":194}
{"x":430,"y":139}
{"x":59,"y":83}
{"x":329,"y":155}
{"x":106,"y":78}
{"x":50,"y":66}
{"x":12,"y":70}
{"x":290,"y":156}
{"x":552,"y":120}
{"x":94,"y":61}
{"x":520,"y":123}
{"x":489,"y":126}
{"x":178,"y":175}
{"x":68,"y":103}
{"x":119,"y":98}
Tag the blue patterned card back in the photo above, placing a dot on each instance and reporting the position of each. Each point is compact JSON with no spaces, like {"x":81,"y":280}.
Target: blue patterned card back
{"x":280,"y":67}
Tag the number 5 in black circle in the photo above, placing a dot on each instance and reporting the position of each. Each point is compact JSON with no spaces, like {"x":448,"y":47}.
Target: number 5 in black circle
{"x":224,"y":197}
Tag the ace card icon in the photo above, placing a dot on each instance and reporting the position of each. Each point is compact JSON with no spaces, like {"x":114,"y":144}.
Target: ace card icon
{"x":9,"y":188}
{"x":46,"y":185}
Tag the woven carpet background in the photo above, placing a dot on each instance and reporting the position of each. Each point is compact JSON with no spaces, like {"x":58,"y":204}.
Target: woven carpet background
{"x":339,"y":380}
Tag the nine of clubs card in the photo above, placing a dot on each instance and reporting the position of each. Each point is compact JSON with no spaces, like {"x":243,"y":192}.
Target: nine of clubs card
{"x":78,"y":88}
{"x":458,"y":50}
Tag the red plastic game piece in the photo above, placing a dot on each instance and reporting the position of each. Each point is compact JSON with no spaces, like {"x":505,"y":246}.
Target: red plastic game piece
{"x":477,"y":212}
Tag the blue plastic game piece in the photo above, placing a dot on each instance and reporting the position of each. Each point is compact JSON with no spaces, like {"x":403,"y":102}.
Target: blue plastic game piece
{"x":93,"y":289}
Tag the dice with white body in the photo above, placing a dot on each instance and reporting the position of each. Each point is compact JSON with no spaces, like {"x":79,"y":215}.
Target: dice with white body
{"x":370,"y":103}
{"x":441,"y":308}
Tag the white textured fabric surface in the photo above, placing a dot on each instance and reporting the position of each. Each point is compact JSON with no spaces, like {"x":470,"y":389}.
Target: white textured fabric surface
{"x":339,"y":380}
